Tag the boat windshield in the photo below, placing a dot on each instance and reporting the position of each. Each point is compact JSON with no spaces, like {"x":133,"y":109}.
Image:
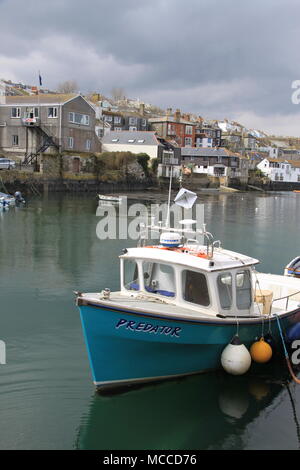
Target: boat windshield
{"x":225,"y":290}
{"x":159,"y":278}
{"x":131,"y":278}
{"x":243,"y":290}
{"x":195,"y":288}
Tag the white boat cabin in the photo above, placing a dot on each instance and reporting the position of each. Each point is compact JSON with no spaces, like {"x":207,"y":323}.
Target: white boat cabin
{"x":189,"y":278}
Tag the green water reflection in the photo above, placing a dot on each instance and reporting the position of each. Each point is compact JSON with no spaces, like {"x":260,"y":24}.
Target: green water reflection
{"x":50,"y":248}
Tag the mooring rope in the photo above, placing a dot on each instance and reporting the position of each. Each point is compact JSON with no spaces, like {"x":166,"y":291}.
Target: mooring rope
{"x":294,"y":413}
{"x":286,"y":353}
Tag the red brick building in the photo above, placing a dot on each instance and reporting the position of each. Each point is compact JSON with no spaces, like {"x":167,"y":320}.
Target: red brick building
{"x":175,"y":127}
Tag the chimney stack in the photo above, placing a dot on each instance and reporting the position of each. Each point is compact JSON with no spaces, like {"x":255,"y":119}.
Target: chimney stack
{"x":177,"y":115}
{"x":2,"y":93}
{"x":142,"y":109}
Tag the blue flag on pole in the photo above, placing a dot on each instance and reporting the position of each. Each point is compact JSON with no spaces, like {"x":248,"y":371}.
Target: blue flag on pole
{"x":40,"y":79}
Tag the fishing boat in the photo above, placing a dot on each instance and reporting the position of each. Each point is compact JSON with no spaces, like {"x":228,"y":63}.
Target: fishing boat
{"x":179,"y":305}
{"x":104,"y":197}
{"x":293,"y":268}
{"x":7,"y":200}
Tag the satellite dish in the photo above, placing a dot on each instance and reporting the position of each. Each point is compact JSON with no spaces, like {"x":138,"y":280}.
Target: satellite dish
{"x":185,"y":198}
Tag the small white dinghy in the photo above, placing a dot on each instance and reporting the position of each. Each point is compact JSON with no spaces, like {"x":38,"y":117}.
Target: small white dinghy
{"x":104,"y":197}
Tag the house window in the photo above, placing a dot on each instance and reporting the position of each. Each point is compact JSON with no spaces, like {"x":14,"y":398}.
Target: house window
{"x":108,"y":118}
{"x":88,"y":144}
{"x":144,"y":122}
{"x":32,"y":112}
{"x":70,"y":142}
{"x":132,"y":128}
{"x":52,"y":112}
{"x":171,"y":130}
{"x":78,"y":118}
{"x":117,"y":120}
{"x":15,"y":112}
{"x":189,"y":130}
{"x":132,"y":121}
{"x":117,"y":128}
{"x":15,"y":140}
{"x":188,"y":142}
{"x":100,"y":133}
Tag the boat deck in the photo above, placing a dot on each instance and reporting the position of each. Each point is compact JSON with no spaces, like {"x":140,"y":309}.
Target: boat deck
{"x":157,"y":306}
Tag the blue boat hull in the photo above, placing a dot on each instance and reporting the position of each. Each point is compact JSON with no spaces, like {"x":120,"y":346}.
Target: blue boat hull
{"x":125,"y":347}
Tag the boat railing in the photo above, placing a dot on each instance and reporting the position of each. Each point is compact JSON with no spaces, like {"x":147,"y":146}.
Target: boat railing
{"x":287,"y":297}
{"x":210,"y":243}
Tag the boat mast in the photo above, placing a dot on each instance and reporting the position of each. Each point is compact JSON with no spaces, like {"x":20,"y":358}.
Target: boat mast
{"x":169,"y":199}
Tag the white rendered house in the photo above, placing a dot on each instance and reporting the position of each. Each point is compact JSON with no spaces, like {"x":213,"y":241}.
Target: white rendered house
{"x":287,"y":171}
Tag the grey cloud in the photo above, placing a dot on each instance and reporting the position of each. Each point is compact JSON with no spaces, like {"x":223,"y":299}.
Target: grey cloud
{"x":171,"y":52}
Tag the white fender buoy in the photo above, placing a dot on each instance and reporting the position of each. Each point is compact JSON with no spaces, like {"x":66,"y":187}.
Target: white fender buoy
{"x":236,"y":358}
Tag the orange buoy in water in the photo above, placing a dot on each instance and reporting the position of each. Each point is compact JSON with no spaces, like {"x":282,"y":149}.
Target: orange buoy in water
{"x":261,"y":351}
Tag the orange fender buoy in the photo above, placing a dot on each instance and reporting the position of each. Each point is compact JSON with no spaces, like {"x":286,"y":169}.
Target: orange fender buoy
{"x":261,"y":351}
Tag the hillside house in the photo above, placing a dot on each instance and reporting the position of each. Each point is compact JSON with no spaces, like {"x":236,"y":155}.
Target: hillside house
{"x":218,"y":162}
{"x":134,"y":141}
{"x":175,"y":127}
{"x":287,"y":171}
{"x":32,"y":125}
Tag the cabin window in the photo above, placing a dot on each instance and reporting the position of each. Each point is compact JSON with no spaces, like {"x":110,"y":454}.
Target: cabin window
{"x":159,"y":279}
{"x":224,"y":282}
{"x":243,"y":290}
{"x":131,"y":276}
{"x":195,"y":288}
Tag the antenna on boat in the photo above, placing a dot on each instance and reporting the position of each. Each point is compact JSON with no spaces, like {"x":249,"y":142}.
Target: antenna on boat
{"x":169,"y":199}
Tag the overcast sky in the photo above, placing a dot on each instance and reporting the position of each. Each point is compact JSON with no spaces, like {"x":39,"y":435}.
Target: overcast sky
{"x":220,"y":59}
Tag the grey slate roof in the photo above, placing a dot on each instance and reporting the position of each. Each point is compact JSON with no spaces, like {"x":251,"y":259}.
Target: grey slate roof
{"x":205,"y":152}
{"x":138,"y":138}
{"x":40,"y":99}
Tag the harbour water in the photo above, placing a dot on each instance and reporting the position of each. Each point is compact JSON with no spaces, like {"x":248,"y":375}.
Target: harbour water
{"x":49,"y":249}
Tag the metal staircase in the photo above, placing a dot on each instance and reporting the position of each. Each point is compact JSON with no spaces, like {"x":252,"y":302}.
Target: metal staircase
{"x":47,"y":139}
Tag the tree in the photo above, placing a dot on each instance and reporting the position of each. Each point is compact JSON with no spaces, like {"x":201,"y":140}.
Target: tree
{"x":69,"y":86}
